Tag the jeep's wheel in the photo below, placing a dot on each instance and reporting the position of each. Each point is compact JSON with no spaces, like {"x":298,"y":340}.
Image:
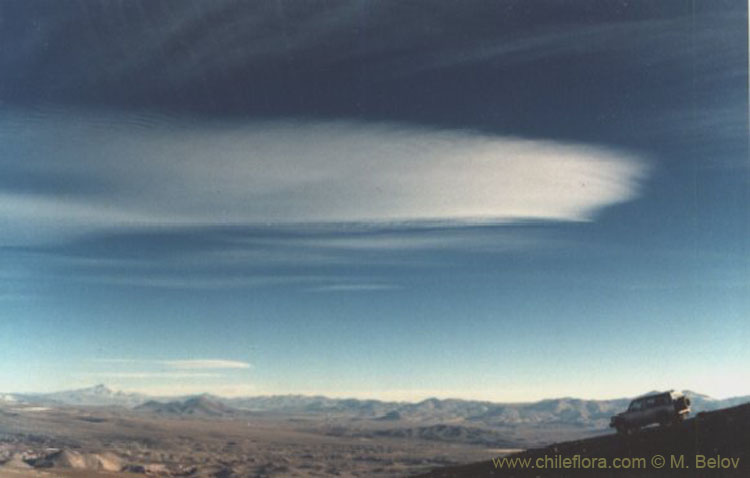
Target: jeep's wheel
{"x":622,"y":429}
{"x":682,"y":403}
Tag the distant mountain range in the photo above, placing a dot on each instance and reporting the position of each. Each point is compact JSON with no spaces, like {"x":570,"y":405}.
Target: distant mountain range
{"x":100,"y":395}
{"x":562,"y":411}
{"x":201,"y":406}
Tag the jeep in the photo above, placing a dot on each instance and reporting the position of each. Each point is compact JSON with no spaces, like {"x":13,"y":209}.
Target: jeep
{"x":663,"y":408}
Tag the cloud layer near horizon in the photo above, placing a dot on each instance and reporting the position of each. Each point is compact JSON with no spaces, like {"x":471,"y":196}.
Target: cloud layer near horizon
{"x":85,"y":173}
{"x":183,"y":364}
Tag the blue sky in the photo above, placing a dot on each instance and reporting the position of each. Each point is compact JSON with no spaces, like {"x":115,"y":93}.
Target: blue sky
{"x":495,"y":200}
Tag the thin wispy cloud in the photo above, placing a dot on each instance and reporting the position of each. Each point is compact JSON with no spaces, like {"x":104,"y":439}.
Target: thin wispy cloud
{"x":307,"y":258}
{"x":572,"y":40}
{"x":206,"y":364}
{"x":135,"y":52}
{"x":151,"y":375}
{"x":192,"y":279}
{"x":185,"y":364}
{"x":354,"y":287}
{"x":203,"y":373}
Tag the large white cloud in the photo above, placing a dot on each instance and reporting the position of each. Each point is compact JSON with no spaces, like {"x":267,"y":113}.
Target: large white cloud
{"x":139,"y":170}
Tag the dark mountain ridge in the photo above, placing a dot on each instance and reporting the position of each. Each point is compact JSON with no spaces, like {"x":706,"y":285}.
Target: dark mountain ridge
{"x":686,"y":447}
{"x":200,"y":406}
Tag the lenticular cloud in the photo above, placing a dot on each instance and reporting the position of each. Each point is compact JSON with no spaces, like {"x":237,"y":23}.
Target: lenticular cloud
{"x":78,"y":172}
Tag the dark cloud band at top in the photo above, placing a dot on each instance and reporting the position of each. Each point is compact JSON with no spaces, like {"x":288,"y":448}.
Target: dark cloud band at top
{"x":479,"y":63}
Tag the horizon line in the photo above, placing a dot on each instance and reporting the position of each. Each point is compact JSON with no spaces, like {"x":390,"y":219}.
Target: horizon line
{"x":370,"y":398}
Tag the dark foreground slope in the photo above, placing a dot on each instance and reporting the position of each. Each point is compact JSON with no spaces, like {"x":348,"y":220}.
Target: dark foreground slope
{"x":722,"y":434}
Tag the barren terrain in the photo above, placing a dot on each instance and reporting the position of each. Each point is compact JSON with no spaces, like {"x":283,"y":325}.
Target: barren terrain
{"x":99,"y":442}
{"x":98,"y":433}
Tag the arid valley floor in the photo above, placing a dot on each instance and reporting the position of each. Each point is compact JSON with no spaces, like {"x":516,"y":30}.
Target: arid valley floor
{"x":223,"y":447}
{"x":98,"y":442}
